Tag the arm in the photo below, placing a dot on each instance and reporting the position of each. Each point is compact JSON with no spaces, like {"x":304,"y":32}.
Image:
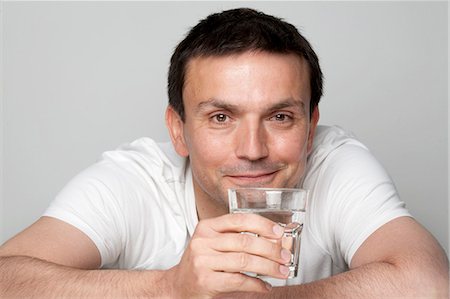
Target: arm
{"x":400,"y":259}
{"x":26,"y":277}
{"x":54,"y":259}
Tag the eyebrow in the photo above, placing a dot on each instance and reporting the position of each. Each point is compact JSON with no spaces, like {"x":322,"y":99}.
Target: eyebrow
{"x":290,"y":102}
{"x":217,"y":103}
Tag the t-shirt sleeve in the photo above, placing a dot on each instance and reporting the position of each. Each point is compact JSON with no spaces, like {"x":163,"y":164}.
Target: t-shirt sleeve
{"x":356,"y":197}
{"x":89,"y":203}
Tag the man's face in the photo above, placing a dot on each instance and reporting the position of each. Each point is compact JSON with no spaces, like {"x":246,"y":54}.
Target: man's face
{"x":247,"y":122}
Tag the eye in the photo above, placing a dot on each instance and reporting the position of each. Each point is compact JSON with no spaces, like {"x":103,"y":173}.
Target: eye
{"x":220,"y":118}
{"x":281,"y":117}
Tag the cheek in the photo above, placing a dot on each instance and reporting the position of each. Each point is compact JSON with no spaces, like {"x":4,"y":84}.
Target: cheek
{"x":206,"y":151}
{"x":291,"y":148}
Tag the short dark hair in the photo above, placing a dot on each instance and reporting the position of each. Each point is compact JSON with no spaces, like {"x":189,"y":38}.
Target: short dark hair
{"x":237,"y":31}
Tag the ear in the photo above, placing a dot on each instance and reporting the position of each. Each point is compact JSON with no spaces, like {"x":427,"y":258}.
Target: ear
{"x":312,"y":128}
{"x":176,"y":131}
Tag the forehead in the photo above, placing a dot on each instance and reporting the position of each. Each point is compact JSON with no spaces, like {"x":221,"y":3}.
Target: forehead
{"x":247,"y":75}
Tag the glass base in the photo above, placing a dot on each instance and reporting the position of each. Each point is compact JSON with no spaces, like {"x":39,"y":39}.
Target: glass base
{"x":293,"y":270}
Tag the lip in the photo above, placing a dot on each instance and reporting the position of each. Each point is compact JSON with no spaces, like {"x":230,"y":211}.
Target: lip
{"x":252,"y":178}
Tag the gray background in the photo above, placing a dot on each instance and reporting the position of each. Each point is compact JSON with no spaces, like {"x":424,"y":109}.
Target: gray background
{"x":81,"y":78}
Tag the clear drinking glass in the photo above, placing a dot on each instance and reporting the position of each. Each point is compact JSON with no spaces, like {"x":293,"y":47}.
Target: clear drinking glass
{"x":282,"y":205}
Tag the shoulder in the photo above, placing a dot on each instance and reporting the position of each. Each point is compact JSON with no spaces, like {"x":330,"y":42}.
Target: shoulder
{"x":145,"y":152}
{"x":142,"y":161}
{"x":329,"y":139}
{"x":139,"y":174}
{"x":351,"y":193}
{"x":118,"y":200}
{"x":339,"y":157}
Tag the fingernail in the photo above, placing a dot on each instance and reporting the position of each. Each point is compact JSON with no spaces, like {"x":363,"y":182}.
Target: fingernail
{"x":278,"y":230}
{"x":285,"y":255}
{"x":284,"y":270}
{"x":268,"y":286}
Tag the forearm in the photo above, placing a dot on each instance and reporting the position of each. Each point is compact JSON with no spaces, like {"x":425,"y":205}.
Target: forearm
{"x":22,"y":276}
{"x":399,"y":260}
{"x":376,"y":280}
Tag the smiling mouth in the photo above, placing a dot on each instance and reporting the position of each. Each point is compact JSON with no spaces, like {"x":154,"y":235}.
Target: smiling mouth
{"x":252,"y":178}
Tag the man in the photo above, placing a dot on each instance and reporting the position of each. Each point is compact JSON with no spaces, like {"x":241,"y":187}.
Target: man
{"x":244,"y":89}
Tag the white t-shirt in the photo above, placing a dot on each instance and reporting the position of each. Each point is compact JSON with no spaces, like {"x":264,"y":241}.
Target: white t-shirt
{"x":137,"y":205}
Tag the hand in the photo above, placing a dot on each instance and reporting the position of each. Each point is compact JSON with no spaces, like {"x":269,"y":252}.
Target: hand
{"x":218,"y":253}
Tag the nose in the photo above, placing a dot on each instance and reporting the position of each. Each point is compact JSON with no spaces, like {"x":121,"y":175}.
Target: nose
{"x":251,"y":141}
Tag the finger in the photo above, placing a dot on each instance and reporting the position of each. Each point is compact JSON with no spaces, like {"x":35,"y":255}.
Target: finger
{"x":237,"y":282}
{"x":237,"y":262}
{"x":253,"y":245}
{"x":241,"y":222}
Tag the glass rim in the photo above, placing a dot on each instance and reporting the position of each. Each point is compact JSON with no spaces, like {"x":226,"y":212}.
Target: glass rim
{"x":268,"y":189}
